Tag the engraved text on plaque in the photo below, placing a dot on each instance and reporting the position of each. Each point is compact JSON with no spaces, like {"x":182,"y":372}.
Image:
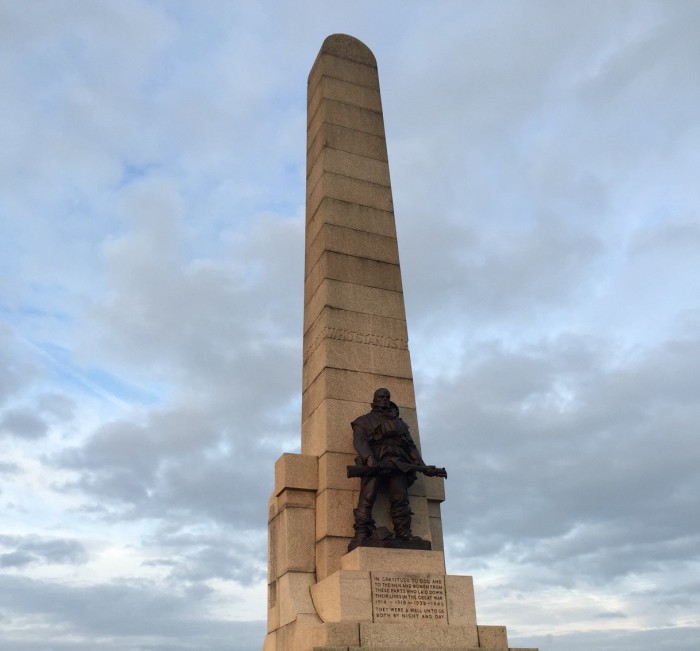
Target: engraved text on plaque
{"x":408,"y":597}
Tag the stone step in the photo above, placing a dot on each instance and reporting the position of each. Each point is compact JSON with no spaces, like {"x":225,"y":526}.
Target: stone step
{"x":402,"y":648}
{"x":422,"y":648}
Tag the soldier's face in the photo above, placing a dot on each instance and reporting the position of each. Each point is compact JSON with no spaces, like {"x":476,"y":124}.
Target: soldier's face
{"x":382,"y":397}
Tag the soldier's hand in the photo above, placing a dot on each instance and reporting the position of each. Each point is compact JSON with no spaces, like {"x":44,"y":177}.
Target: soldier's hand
{"x":372,"y":462}
{"x":434,"y":471}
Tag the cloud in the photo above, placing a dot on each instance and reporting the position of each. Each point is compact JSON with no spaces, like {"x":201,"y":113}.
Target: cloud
{"x":520,"y":275}
{"x":32,"y":423}
{"x":599,"y":461}
{"x":33,"y":549}
{"x":165,"y":304}
{"x":681,"y":638}
{"x":9,"y":468}
{"x":22,"y":423}
{"x":137,"y":613}
{"x":17,"y":370}
{"x":161,"y":471}
{"x":56,"y":405}
{"x":197,"y":554}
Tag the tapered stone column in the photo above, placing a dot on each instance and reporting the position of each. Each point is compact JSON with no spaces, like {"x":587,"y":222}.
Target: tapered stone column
{"x":355,"y":337}
{"x":355,"y":341}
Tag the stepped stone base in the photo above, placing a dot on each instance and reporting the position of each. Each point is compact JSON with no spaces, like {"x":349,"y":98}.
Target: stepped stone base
{"x":387,"y":600}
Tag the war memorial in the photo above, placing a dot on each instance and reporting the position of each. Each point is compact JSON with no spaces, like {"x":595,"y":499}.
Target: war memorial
{"x":355,"y":551}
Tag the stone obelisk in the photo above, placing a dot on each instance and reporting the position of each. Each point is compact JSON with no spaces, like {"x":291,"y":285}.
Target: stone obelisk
{"x":355,"y":337}
{"x":355,"y":341}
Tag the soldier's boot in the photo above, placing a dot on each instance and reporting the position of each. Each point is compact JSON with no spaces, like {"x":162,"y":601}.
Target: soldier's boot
{"x":401,"y":518}
{"x":364,"y":528}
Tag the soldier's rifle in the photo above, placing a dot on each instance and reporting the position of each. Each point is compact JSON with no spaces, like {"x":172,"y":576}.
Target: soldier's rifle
{"x":368,"y":471}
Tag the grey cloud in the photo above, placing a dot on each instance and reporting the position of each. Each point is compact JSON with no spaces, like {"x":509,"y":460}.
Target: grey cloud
{"x":671,"y":237}
{"x":9,"y":468}
{"x":656,"y":59}
{"x":542,"y":266}
{"x":610,"y":614}
{"x":681,"y":594}
{"x":216,"y":562}
{"x":187,"y":321}
{"x":57,"y":405}
{"x":17,"y":371}
{"x":229,"y":489}
{"x":94,"y":111}
{"x":562,"y":163}
{"x":223,"y":551}
{"x":522,"y":274}
{"x":139,"y":614}
{"x":194,"y":311}
{"x":27,"y":550}
{"x":16,"y":559}
{"x":600,"y":462}
{"x":23,"y":423}
{"x":191,"y":461}
{"x":32,"y":422}
{"x":681,"y":638}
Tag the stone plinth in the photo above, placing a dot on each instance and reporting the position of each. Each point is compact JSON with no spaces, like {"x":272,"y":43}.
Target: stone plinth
{"x":372,"y":559}
{"x":419,"y":607}
{"x":384,"y":587}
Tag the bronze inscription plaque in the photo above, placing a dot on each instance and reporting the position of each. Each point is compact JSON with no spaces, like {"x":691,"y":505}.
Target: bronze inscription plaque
{"x":408,"y":598}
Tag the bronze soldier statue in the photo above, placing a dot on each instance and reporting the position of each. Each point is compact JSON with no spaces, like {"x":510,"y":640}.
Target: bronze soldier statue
{"x":387,"y":456}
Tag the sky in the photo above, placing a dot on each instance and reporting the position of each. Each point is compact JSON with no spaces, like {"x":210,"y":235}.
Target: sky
{"x":545,"y":159}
